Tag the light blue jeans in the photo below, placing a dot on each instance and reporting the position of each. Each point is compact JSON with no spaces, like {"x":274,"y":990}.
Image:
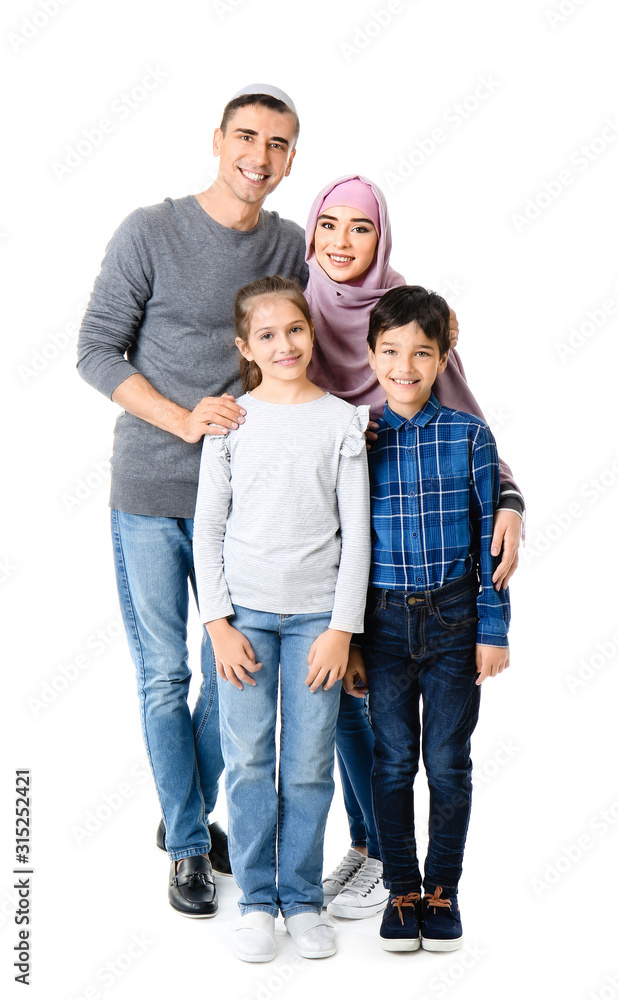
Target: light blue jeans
{"x":276,"y":827}
{"x":154,"y":564}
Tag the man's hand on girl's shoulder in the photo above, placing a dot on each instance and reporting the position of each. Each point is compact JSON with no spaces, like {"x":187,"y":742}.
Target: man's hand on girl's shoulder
{"x":212,"y":415}
{"x":491,"y":661}
{"x":328,"y":659}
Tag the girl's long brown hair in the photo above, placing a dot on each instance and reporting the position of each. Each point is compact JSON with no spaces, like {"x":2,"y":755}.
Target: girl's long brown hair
{"x":244,"y":304}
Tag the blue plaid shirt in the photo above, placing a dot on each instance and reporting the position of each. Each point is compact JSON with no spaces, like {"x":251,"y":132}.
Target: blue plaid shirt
{"x":434,"y":490}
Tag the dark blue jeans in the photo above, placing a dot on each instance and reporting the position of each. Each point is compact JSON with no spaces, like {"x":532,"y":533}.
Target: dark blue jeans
{"x":422,"y":645}
{"x":355,"y":759}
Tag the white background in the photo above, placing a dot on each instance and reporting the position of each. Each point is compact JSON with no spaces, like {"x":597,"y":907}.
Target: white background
{"x":367,"y":95}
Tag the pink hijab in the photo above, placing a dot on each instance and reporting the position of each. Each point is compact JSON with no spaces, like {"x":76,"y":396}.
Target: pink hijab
{"x":341,"y":311}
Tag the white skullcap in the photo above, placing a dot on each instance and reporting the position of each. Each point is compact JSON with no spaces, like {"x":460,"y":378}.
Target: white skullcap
{"x":270,"y":91}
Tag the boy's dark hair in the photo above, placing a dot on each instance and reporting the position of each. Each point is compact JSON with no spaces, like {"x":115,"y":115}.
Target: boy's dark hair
{"x":265,"y":100}
{"x":407,"y":304}
{"x":271,"y":287}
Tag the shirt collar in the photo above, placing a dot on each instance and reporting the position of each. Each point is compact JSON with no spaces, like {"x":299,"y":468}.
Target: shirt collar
{"x":420,"y":419}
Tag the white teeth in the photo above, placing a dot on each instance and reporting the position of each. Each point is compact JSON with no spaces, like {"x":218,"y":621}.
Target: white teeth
{"x":401,"y":381}
{"x":340,"y":260}
{"x":254,"y":177}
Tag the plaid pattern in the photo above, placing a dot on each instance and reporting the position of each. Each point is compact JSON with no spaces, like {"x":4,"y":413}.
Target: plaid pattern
{"x":434,"y":490}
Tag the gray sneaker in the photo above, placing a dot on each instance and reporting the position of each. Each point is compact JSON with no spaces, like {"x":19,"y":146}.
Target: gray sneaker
{"x":341,"y":875}
{"x":364,"y":895}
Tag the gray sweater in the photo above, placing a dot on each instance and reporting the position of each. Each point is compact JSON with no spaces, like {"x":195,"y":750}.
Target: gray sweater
{"x":164,"y":298}
{"x":282,"y":520}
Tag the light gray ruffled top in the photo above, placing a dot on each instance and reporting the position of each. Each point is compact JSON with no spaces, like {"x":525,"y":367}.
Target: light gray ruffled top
{"x":282,"y":521}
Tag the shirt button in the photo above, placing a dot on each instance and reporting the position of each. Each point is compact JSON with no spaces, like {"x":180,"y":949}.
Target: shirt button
{"x":419,"y":579}
{"x":414,"y":535}
{"x":409,"y":450}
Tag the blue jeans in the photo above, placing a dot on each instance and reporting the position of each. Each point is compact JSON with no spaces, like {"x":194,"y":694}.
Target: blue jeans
{"x":276,"y":828}
{"x":354,"y":745}
{"x":154,"y":563}
{"x":424,"y":648}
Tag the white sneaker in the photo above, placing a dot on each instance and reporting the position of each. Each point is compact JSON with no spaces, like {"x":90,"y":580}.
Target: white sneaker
{"x":364,"y":895}
{"x":313,"y":936}
{"x":254,"y":937}
{"x":341,"y":875}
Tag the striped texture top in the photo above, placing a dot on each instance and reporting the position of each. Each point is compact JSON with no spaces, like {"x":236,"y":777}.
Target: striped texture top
{"x":282,"y":517}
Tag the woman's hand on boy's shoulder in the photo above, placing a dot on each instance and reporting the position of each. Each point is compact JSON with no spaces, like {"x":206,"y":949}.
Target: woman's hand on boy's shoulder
{"x":454,"y":328}
{"x":328,"y":659}
{"x":491,"y":661}
{"x":371,"y":432}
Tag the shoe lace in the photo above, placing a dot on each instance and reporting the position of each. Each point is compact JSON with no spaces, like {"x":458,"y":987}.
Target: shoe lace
{"x":365,"y":880}
{"x":434,"y":900}
{"x":344,"y":870}
{"x":400,"y":901}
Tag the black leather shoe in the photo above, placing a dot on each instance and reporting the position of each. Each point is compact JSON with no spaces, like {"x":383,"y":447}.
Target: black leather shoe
{"x":219,"y":856}
{"x":192,"y":889}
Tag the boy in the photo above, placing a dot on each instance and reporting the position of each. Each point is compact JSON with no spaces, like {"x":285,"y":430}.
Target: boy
{"x":430,"y":630}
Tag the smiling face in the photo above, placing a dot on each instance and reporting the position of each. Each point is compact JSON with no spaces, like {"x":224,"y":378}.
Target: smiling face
{"x":255,"y":152}
{"x":345,"y":243}
{"x":406,"y":363}
{"x":280,"y":339}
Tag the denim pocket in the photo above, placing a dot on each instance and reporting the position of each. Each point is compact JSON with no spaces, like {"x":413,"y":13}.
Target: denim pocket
{"x":373,"y":606}
{"x":458,"y":613}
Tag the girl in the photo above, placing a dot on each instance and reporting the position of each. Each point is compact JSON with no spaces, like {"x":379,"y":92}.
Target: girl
{"x":348,"y":240}
{"x":282,"y":551}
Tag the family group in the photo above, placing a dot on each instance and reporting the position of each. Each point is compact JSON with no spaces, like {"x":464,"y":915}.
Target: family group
{"x":298,"y":445}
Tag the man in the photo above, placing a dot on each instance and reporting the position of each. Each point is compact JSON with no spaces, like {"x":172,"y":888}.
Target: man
{"x":164,"y":297}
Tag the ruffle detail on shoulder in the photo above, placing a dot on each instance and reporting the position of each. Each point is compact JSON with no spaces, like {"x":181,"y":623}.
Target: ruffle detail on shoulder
{"x":217,"y":445}
{"x":354,"y":441}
